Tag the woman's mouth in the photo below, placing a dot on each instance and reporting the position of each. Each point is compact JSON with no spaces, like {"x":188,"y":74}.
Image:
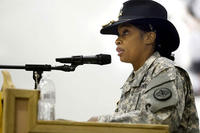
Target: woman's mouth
{"x":120,"y":51}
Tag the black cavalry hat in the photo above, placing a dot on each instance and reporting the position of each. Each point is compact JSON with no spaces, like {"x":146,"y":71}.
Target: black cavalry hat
{"x":147,"y":12}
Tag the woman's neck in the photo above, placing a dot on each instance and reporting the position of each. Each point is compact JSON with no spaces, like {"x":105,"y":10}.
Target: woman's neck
{"x":141,"y":61}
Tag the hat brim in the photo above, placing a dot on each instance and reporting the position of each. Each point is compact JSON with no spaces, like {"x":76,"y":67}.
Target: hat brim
{"x":167,"y":33}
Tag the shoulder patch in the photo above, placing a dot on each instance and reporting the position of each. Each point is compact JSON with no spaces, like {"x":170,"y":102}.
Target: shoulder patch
{"x":162,"y":94}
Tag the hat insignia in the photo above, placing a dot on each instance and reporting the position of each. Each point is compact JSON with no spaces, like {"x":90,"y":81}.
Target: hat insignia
{"x":108,"y":24}
{"x":120,"y":13}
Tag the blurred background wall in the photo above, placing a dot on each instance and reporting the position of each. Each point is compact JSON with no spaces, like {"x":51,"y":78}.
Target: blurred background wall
{"x":38,"y":31}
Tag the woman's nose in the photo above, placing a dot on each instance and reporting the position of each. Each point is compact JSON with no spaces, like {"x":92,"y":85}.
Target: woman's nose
{"x":117,"y":42}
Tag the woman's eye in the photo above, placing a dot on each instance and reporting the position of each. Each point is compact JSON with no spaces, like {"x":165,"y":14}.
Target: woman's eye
{"x":125,"y":32}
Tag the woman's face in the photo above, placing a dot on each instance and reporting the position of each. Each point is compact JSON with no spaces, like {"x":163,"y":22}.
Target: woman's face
{"x":131,"y":45}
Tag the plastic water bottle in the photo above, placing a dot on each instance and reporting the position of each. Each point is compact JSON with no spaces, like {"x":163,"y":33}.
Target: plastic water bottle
{"x":46,"y":103}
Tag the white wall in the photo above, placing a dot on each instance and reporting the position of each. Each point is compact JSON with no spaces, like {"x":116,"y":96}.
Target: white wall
{"x":38,"y":31}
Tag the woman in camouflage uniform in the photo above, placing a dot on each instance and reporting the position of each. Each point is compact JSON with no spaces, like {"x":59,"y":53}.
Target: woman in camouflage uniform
{"x":157,"y":91}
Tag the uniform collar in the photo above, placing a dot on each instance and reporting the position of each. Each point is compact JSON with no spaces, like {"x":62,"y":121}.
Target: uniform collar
{"x":138,"y":75}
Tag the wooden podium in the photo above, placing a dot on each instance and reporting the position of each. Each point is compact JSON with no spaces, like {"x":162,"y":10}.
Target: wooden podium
{"x":20,"y":116}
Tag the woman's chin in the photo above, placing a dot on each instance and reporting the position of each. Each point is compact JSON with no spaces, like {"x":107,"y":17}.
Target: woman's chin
{"x":123,"y":60}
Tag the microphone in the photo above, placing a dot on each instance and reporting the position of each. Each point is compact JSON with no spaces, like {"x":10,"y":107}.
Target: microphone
{"x":100,"y":59}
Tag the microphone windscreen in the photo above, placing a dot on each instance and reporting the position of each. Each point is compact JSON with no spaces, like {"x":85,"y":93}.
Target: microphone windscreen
{"x":104,"y":59}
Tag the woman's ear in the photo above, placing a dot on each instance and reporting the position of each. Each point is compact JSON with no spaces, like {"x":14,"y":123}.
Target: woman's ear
{"x":150,"y":37}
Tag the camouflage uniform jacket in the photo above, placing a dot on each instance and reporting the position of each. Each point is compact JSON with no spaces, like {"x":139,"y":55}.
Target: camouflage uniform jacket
{"x":157,"y":93}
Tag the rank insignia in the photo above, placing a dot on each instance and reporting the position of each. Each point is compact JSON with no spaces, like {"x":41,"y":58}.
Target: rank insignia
{"x":162,"y":94}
